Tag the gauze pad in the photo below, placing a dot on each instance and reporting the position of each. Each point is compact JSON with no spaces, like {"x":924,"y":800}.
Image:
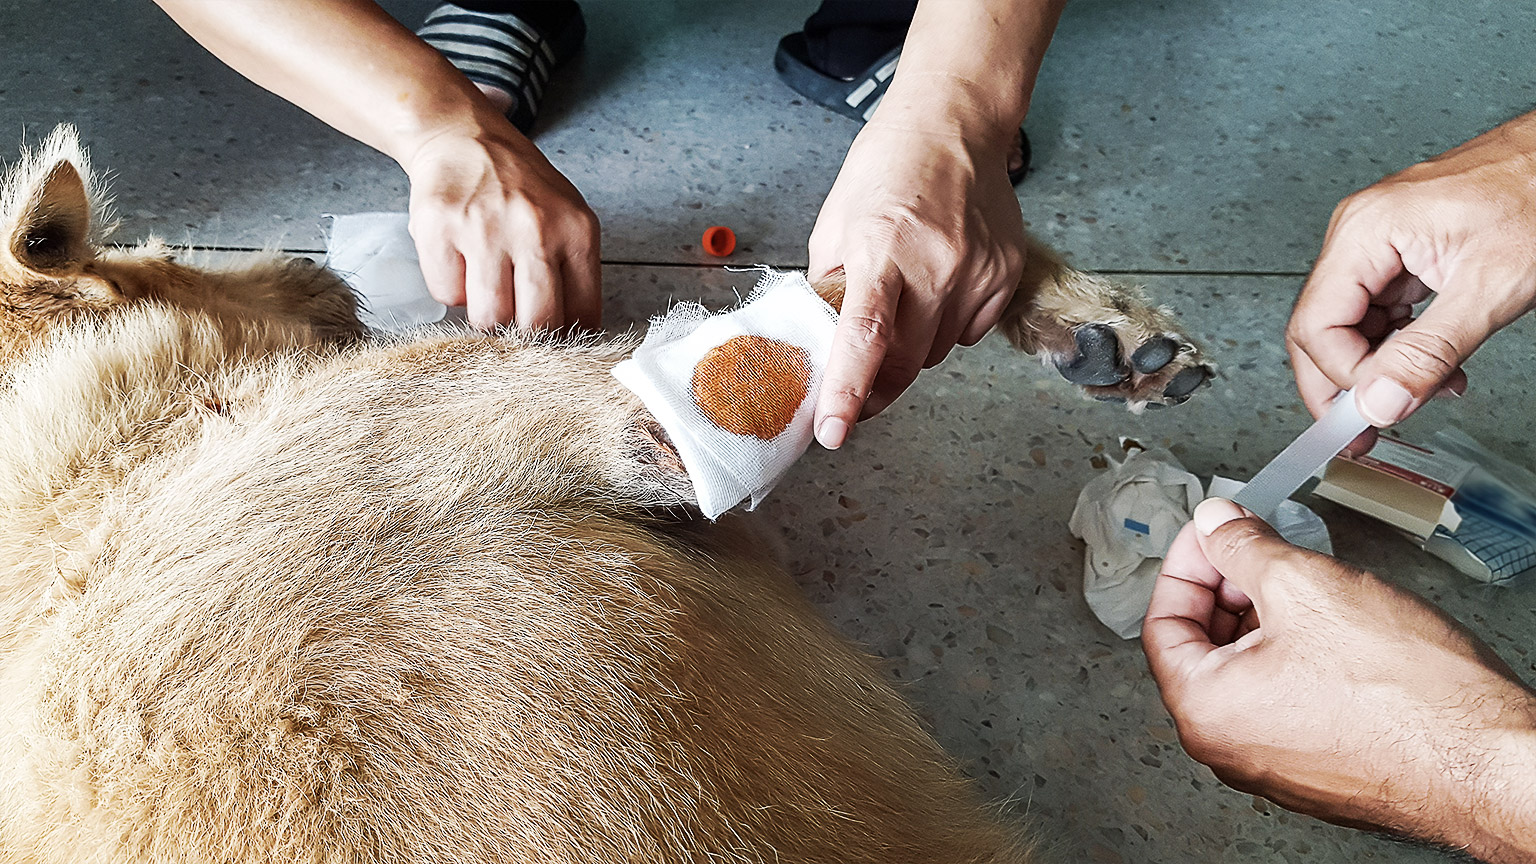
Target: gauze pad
{"x":736,"y":391}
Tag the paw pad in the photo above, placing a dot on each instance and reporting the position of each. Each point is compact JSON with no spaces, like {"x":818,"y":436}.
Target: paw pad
{"x":1161,"y":371}
{"x":1186,"y":382}
{"x":1154,"y":355}
{"x":1097,"y":360}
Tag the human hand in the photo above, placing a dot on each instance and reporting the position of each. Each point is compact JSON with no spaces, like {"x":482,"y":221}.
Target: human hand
{"x":1461,"y":226}
{"x":926,"y":228}
{"x":1336,"y":694}
{"x":500,"y":231}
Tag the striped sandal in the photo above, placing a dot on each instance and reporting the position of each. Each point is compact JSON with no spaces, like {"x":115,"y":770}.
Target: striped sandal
{"x":504,"y":52}
{"x":858,"y":97}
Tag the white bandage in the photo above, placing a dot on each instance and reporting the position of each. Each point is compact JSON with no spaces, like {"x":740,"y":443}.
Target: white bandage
{"x":736,"y":391}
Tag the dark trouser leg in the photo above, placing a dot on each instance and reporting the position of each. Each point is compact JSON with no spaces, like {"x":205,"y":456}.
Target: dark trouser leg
{"x":843,"y":37}
{"x":543,"y":15}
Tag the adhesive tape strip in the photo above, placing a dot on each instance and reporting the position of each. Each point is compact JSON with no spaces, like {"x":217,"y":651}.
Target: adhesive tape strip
{"x":1304,"y":457}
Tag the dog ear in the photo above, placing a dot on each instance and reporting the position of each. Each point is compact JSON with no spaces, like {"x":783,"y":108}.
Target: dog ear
{"x":49,"y":202}
{"x":51,"y":231}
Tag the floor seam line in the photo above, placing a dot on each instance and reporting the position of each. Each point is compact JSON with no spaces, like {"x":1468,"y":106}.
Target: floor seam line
{"x":624,"y":262}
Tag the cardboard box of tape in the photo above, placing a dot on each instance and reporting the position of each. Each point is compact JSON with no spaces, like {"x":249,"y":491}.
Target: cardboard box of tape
{"x":1452,"y":507}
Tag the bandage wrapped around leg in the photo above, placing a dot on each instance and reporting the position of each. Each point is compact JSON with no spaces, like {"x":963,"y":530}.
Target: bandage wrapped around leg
{"x":736,"y":391}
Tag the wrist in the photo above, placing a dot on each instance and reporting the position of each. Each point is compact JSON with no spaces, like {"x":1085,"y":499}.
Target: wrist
{"x":938,"y":103}
{"x":1479,"y":795}
{"x":424,"y":135}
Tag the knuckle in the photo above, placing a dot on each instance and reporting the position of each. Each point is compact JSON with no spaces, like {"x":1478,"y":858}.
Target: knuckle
{"x":1231,"y":539}
{"x":1252,"y":538}
{"x":1198,"y":719}
{"x":903,"y":216}
{"x":1359,"y":201}
{"x":851,"y":392}
{"x":823,"y":240}
{"x":868,"y":333}
{"x":1012,"y":267}
{"x":1201,"y":746}
{"x":1295,"y":332}
{"x":528,"y":220}
{"x":1235,"y":771}
{"x":984,"y":276}
{"x":1425,"y":352}
{"x":1204,"y":738}
{"x":1349,"y":203}
{"x":584,"y":219}
{"x":950,"y":261}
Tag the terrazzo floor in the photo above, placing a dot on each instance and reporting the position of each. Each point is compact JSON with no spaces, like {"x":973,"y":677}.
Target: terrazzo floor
{"x":1196,"y":147}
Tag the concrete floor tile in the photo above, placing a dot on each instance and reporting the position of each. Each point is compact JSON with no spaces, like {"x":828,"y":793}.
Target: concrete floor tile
{"x":1200,"y":136}
{"x":1218,"y":136}
{"x":938,"y":537}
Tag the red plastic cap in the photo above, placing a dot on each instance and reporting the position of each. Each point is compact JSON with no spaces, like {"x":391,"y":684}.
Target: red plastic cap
{"x":719,"y":241}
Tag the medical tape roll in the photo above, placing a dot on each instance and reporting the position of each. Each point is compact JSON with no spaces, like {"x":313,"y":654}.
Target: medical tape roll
{"x":736,"y":391}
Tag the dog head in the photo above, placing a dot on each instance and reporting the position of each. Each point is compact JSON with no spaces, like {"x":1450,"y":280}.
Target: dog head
{"x":51,"y":224}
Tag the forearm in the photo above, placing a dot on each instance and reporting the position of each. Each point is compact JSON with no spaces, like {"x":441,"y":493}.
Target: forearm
{"x":971,"y":63}
{"x":345,"y":61}
{"x":1502,"y":812}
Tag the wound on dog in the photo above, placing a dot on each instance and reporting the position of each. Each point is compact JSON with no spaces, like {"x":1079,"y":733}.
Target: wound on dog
{"x":751,"y":385}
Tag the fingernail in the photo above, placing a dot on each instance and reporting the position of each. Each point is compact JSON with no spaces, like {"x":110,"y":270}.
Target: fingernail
{"x":832,"y":433}
{"x":1384,"y":402}
{"x":1212,"y":513}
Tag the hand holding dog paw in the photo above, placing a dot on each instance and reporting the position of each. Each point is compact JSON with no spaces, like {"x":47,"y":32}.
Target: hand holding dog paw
{"x":500,"y":231}
{"x":1461,"y":226}
{"x":1331,"y":692}
{"x":926,"y":227}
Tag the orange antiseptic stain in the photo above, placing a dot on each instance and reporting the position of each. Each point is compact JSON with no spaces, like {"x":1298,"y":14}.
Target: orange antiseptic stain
{"x":752,"y":385}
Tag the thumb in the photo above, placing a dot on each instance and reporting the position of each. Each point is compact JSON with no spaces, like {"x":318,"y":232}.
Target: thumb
{"x":1245,"y":550}
{"x":1417,"y":361}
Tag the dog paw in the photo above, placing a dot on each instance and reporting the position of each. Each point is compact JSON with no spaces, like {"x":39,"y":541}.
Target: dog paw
{"x":1111,"y":341}
{"x":1163,"y":370}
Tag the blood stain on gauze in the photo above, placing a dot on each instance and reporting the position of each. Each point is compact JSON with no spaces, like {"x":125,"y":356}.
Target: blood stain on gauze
{"x":752,"y":385}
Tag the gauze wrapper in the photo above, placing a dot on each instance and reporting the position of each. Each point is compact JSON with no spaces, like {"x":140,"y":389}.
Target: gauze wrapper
{"x":736,"y":390}
{"x":1129,"y":515}
{"x":376,"y":256}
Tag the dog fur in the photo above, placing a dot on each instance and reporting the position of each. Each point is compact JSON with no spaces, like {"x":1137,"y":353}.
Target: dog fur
{"x":275,"y":590}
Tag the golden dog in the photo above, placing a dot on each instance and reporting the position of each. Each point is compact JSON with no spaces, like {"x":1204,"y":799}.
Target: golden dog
{"x":272,"y":589}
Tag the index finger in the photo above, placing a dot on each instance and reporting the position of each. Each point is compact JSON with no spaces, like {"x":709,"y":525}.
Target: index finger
{"x":442,"y":268}
{"x":1318,"y":393}
{"x":488,"y":289}
{"x":1325,"y":323}
{"x":858,"y":348}
{"x":583,"y":277}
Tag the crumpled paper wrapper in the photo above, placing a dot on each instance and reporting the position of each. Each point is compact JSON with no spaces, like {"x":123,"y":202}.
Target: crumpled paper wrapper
{"x":1128,"y":517}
